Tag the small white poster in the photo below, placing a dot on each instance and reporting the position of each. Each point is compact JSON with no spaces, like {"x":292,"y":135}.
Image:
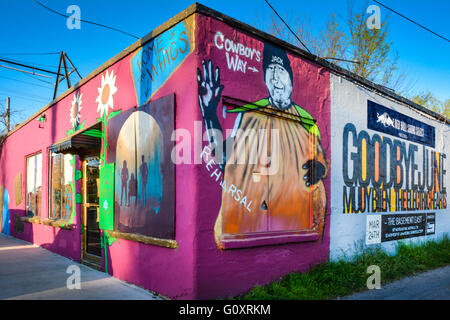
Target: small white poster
{"x":373,"y":229}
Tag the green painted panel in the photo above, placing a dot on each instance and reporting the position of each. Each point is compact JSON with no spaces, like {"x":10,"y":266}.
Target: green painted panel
{"x":106,"y":200}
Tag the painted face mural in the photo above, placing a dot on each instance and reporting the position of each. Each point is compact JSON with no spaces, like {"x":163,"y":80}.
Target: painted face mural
{"x":279,"y":85}
{"x":272,"y":166}
{"x":277,"y":77}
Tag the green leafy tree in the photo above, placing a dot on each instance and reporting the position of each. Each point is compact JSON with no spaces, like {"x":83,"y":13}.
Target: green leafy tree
{"x":347,"y":42}
{"x":428,"y":100}
{"x":446,"y":109}
{"x":370,"y":48}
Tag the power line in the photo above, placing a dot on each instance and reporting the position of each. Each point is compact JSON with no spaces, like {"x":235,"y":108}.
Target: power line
{"x":94,"y":23}
{"x":344,"y":60}
{"x":287,"y":26}
{"x":410,"y":20}
{"x":26,"y":82}
{"x":24,"y":71}
{"x":31,"y":63}
{"x":23,"y":97}
{"x":32,"y":76}
{"x":28,"y":54}
{"x":30,"y":95}
{"x":27,"y":66}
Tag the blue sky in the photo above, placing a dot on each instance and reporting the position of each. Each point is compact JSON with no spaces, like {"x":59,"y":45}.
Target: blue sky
{"x":28,"y":28}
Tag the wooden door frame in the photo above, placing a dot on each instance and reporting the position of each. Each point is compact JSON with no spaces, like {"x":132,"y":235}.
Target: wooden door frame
{"x":84,"y":206}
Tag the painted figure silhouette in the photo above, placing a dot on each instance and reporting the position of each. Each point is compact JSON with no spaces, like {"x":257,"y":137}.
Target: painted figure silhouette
{"x":144,"y":176}
{"x":124,"y":182}
{"x":132,"y":192}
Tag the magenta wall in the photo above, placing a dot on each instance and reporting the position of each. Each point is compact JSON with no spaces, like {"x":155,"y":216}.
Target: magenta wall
{"x":36,"y":137}
{"x":168,"y":271}
{"x":230,"y":272}
{"x":197,"y":268}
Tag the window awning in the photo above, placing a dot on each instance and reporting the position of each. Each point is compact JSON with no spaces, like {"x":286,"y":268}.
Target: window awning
{"x":85,"y":142}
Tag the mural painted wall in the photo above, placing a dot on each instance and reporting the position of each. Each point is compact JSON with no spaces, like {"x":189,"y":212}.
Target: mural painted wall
{"x":6,"y":217}
{"x":154,"y":63}
{"x":144,"y":177}
{"x":154,"y":267}
{"x":264,"y":173}
{"x":255,"y":199}
{"x":131,"y":89}
{"x":389,"y":172}
{"x":272,"y":163}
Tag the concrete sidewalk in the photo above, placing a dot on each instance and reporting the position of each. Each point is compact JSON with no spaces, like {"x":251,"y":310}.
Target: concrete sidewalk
{"x":431,"y":285}
{"x":33,"y":273}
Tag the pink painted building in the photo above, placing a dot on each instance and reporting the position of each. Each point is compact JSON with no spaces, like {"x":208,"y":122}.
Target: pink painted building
{"x":196,"y":163}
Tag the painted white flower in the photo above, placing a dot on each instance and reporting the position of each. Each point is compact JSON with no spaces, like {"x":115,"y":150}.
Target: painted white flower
{"x":75,"y":110}
{"x":105,"y":93}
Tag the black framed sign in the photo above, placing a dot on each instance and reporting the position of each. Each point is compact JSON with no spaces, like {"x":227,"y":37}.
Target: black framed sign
{"x":389,"y":121}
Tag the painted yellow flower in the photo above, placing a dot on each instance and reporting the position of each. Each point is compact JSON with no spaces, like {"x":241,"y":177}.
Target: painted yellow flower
{"x":75,"y":110}
{"x":105,"y":93}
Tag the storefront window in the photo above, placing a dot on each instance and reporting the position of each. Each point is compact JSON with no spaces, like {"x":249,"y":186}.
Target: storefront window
{"x":34,"y":185}
{"x":61,"y":192}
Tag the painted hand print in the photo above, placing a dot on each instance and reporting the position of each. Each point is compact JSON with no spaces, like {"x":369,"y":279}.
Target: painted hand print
{"x":285,"y":196}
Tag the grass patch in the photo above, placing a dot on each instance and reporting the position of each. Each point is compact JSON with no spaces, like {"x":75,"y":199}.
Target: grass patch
{"x":344,"y":277}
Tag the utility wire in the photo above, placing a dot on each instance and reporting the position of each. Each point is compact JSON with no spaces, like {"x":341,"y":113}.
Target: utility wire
{"x":286,"y":26}
{"x":30,"y":95}
{"x":436,"y":34}
{"x":8,"y":94}
{"x":28,"y":54}
{"x":30,"y":63}
{"x":344,"y":60}
{"x":29,"y":67}
{"x":42,"y":80}
{"x":94,"y":23}
{"x":26,"y":82}
{"x":24,"y":71}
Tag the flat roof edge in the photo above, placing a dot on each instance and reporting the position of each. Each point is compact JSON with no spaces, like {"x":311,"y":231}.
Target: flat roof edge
{"x":322,"y":62}
{"x":134,"y":46}
{"x":199,"y":8}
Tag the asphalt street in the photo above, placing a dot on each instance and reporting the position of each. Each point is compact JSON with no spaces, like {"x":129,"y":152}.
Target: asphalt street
{"x":431,"y":285}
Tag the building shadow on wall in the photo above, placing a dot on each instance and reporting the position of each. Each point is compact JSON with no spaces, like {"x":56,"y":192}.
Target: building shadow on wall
{"x":18,"y":228}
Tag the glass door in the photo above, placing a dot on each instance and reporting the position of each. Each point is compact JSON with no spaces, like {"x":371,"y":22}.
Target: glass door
{"x":92,"y":241}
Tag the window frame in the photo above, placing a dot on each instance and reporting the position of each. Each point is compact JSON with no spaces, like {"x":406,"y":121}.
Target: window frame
{"x":38,"y":207}
{"x":50,"y":177}
{"x":269,"y":237}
